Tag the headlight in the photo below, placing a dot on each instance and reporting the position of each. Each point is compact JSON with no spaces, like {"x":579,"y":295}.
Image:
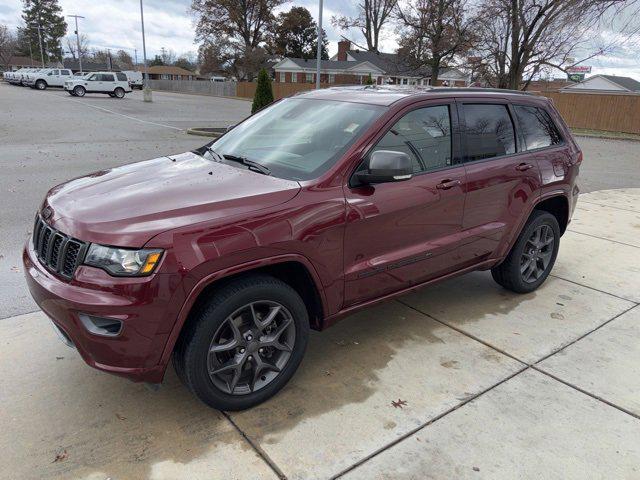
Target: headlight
{"x":123,"y":262}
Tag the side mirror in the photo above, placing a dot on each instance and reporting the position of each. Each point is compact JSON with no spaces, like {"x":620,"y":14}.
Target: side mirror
{"x":386,"y":166}
{"x":230,"y":126}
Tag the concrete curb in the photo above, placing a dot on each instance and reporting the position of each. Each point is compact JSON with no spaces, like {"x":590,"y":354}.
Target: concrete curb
{"x":206,"y":131}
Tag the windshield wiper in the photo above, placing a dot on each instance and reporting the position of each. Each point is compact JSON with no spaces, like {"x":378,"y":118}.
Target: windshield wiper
{"x":237,"y":158}
{"x":249,"y":163}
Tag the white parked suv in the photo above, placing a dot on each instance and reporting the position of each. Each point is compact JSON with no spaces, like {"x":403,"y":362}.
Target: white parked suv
{"x":115,"y":84}
{"x":47,"y":77}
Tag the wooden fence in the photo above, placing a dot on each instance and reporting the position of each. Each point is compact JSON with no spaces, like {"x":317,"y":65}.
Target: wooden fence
{"x":280,"y":90}
{"x":599,"y":111}
{"x":594,"y":111}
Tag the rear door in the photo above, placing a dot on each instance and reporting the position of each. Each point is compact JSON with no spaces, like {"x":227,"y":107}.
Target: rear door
{"x":503,"y":180}
{"x":62,"y":77}
{"x":403,"y":233}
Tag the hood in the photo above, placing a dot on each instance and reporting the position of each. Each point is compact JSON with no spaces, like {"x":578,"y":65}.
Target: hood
{"x":128,"y":205}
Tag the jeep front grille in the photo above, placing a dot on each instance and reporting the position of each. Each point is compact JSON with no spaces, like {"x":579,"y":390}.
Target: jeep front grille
{"x":58,"y":252}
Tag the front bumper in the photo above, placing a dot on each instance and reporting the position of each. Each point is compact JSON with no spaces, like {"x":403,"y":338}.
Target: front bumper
{"x":146,"y":306}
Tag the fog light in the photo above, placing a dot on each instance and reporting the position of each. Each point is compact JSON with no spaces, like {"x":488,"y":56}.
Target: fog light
{"x":106,"y":327}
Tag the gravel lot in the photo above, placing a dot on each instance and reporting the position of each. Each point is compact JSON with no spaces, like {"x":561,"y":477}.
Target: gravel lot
{"x":50,"y":137}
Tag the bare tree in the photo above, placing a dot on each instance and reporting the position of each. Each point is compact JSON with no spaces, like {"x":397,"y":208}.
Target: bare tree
{"x":372,"y":17}
{"x":124,"y":59}
{"x":8,"y":45}
{"x":72,"y":46}
{"x":519,"y":38}
{"x":434,"y":32}
{"x":239,"y":25}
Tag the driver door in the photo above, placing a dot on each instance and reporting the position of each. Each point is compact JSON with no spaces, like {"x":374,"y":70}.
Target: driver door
{"x":94,"y":83}
{"x":402,"y":233}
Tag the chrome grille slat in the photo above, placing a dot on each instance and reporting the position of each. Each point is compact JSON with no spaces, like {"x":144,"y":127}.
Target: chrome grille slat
{"x":58,"y":252}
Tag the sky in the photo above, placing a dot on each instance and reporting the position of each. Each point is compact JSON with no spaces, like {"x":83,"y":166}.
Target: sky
{"x":168,"y":24}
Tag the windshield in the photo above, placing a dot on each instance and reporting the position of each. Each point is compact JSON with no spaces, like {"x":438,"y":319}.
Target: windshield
{"x":297,"y":138}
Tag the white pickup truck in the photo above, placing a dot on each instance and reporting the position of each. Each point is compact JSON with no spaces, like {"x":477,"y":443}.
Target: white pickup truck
{"x":48,"y":77}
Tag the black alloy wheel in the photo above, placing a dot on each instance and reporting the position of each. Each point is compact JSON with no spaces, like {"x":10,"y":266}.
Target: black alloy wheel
{"x":537,"y":253}
{"x":251,"y":347}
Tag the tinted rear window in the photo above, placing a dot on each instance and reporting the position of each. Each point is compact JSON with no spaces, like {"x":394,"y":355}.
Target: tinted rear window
{"x":122,"y":77}
{"x":489,"y":131}
{"x":536,"y":125}
{"x":106,"y":77}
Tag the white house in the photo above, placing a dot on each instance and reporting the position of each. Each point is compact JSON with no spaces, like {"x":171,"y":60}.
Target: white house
{"x":605,"y":83}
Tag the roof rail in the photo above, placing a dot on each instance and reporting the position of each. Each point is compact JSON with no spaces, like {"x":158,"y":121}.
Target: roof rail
{"x":479,"y":89}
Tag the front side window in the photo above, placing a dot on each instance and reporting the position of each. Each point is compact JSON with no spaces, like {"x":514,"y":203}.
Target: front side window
{"x":536,"y":125}
{"x":423,"y":134}
{"x":65,"y":72}
{"x":297,"y":138}
{"x":489,"y":131}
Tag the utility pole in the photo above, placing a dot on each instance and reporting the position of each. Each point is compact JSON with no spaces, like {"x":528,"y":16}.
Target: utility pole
{"x":146,"y":89}
{"x":40,"y":41}
{"x":319,"y":51}
{"x":78,"y":40}
{"x":135,"y":53}
{"x":109,"y":58}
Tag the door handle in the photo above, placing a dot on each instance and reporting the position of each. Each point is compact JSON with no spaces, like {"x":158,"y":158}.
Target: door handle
{"x":524,"y":166}
{"x":447,"y":184}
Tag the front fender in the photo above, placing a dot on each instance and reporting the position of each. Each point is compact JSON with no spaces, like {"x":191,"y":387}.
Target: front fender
{"x":193,"y":291}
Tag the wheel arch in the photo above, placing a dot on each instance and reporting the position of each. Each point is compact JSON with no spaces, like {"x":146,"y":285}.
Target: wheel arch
{"x":294,"y":270}
{"x":558,"y":206}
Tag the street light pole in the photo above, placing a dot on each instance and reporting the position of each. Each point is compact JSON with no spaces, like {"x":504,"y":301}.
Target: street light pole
{"x":78,"y":40}
{"x":40,"y":41}
{"x":319,"y":51}
{"x":146,"y":88}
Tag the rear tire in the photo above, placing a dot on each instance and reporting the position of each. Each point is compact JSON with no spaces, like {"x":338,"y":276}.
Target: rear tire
{"x":79,"y":91}
{"x":119,"y":92}
{"x":532,"y":256}
{"x":240,"y":372}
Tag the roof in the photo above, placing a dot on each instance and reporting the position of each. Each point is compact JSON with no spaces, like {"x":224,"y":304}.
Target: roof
{"x":390,"y":63}
{"x":88,"y":65}
{"x":625,"y":83}
{"x":165,"y":70}
{"x":389,"y":94}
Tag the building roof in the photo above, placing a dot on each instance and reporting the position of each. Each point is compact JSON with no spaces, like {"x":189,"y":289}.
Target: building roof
{"x":88,"y":65}
{"x":390,"y":63}
{"x":387,"y":63}
{"x":165,"y":70}
{"x":627,"y":83}
{"x":623,"y":83}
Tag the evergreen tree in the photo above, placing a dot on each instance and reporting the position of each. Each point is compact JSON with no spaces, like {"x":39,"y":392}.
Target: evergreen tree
{"x":264,"y":92}
{"x":369,"y":80}
{"x":48,"y":15}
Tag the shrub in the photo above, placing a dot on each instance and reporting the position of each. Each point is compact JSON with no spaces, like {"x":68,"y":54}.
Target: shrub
{"x":264,"y":92}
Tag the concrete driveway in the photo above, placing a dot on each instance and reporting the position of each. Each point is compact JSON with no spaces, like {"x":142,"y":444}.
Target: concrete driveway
{"x":459,"y":380}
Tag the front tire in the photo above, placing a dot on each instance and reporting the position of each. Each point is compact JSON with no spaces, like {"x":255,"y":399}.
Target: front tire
{"x":41,"y":85}
{"x":244,"y":344}
{"x":79,"y":91}
{"x":532,"y":257}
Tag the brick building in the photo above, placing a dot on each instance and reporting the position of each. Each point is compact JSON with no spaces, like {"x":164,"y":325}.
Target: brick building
{"x":349,"y":67}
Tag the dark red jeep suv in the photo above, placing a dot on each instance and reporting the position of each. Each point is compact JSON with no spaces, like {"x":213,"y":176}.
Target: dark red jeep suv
{"x":223,"y":258}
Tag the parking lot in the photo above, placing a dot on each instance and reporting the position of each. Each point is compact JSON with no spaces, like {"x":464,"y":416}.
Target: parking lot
{"x":432,"y":385}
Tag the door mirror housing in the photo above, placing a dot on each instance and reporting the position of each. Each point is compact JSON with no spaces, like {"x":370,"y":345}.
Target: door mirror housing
{"x":386,"y":166}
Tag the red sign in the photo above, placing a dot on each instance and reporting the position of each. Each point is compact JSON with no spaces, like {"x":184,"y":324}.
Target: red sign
{"x":579,"y":69}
